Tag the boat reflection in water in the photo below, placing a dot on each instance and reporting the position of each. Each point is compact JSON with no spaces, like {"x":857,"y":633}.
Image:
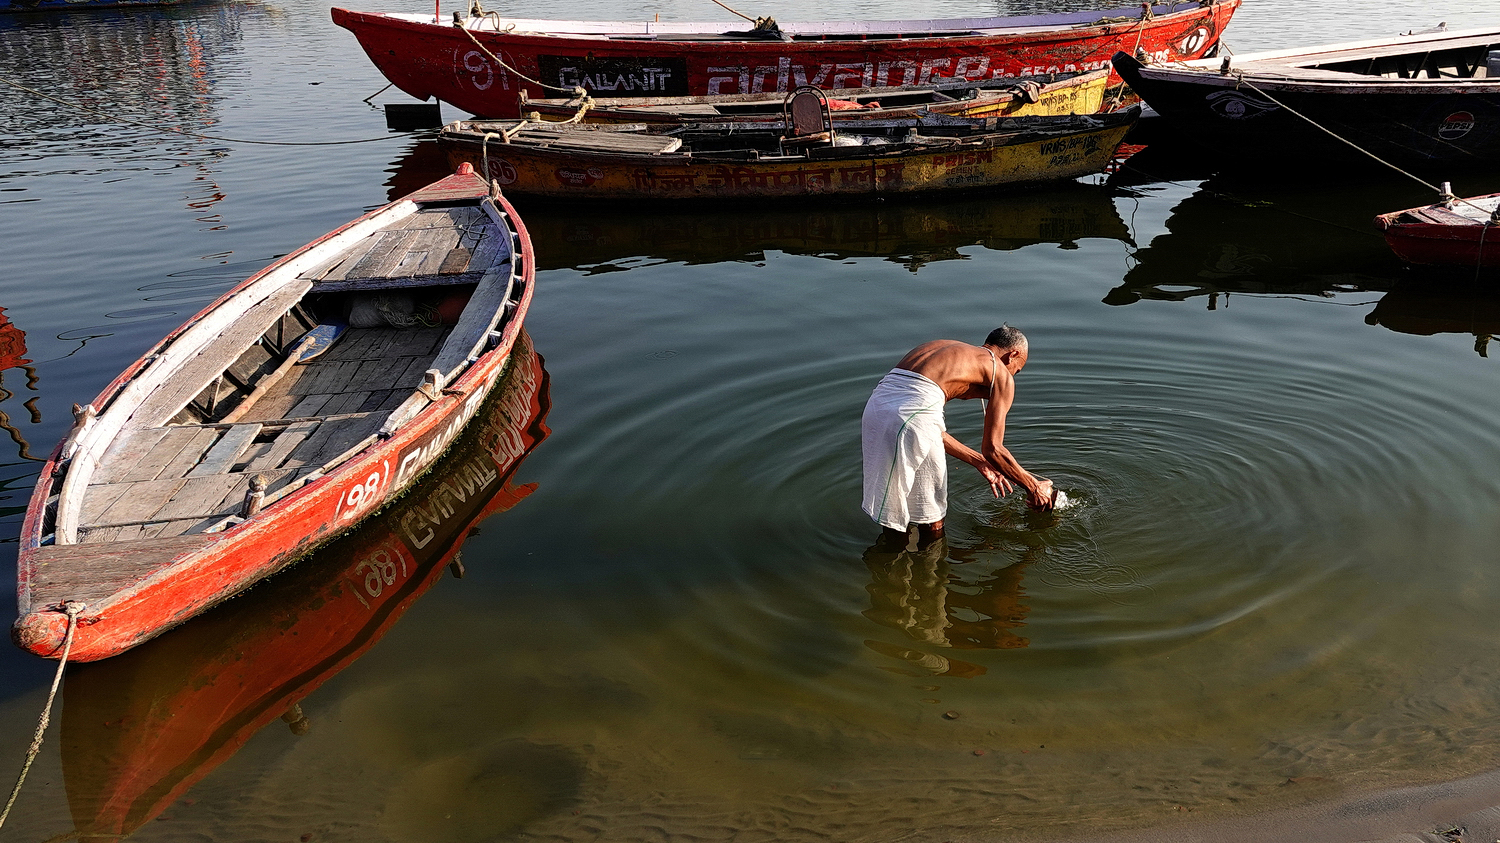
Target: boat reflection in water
{"x":1428,"y":309}
{"x":908,"y":231}
{"x":13,"y":356}
{"x":916,"y":592}
{"x":1249,"y":231}
{"x":140,"y":729}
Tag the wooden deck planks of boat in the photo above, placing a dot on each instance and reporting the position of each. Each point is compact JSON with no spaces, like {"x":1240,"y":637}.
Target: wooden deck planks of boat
{"x":168,"y":480}
{"x":600,"y":141}
{"x":93,"y":571}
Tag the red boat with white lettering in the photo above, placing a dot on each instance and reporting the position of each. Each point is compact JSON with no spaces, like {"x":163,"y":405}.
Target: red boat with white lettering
{"x":273,"y":421}
{"x":482,"y":62}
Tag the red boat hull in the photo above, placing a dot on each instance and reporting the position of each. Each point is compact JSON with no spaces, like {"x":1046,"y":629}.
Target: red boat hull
{"x":427,"y":59}
{"x":206,"y":573}
{"x":1431,"y":236}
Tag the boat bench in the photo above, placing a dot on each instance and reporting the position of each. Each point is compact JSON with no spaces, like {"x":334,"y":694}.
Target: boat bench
{"x":598,"y":141}
{"x":432,"y":247}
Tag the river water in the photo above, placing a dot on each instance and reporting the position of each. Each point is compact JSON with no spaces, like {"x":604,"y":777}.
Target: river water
{"x":1276,"y":587}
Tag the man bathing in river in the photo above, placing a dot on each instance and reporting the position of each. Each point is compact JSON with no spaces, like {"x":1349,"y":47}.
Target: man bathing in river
{"x":905,"y":437}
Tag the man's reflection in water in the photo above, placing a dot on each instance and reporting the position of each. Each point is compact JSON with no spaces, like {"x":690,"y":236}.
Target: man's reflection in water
{"x":913,"y":591}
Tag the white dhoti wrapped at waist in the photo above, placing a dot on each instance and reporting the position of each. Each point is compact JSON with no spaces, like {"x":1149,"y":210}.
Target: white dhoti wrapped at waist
{"x":906,"y":474}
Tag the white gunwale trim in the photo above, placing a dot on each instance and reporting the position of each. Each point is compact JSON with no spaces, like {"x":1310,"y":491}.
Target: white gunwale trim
{"x":1390,"y":45}
{"x":955,"y":26}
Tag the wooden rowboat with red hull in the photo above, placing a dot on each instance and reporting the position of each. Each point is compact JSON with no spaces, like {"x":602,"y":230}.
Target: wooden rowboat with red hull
{"x":245,"y":439}
{"x":141,"y":729}
{"x":1454,"y":232}
{"x":460,"y":61}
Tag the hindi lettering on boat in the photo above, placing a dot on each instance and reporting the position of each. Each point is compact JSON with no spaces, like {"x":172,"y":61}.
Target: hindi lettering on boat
{"x":759,"y":160}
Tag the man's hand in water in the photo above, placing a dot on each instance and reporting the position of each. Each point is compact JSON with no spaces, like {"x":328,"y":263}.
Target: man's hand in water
{"x":1041,"y":497}
{"x":999,"y":484}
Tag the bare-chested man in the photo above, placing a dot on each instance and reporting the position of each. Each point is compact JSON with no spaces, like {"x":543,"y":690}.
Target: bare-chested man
{"x":905,"y":437}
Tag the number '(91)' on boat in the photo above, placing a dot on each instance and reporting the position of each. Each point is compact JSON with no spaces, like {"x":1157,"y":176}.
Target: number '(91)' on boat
{"x":276,"y":419}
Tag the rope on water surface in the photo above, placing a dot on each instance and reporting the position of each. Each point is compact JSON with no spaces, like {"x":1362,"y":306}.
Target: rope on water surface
{"x":71,"y":609}
{"x":165,"y":130}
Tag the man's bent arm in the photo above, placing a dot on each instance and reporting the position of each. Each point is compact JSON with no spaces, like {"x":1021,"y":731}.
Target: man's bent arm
{"x":999,"y":456}
{"x":954,"y":448}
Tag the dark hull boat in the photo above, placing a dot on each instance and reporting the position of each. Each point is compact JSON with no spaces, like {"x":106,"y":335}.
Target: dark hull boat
{"x":281,"y":416}
{"x":1454,"y":232}
{"x":1413,"y":98}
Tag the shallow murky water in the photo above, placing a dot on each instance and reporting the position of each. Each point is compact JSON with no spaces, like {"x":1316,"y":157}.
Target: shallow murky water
{"x":1276,"y":585}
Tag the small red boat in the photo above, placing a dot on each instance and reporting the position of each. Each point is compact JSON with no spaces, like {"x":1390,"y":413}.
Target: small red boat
{"x":141,"y":729}
{"x":1453,"y":232}
{"x":481,"y":63}
{"x":276,"y":419}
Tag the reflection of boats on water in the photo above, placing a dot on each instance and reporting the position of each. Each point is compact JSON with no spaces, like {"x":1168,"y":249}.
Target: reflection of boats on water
{"x":13,"y":356}
{"x":69,"y":5}
{"x":140,"y":729}
{"x":1429,"y":309}
{"x":915,"y":593}
{"x":913,"y":232}
{"x":158,"y":66}
{"x":1246,"y":232}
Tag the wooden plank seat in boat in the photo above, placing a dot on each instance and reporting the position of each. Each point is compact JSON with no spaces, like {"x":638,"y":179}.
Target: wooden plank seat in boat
{"x":92,"y":571}
{"x":432,"y":247}
{"x":599,"y":141}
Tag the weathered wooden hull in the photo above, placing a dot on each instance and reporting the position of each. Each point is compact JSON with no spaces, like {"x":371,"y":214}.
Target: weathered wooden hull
{"x":1278,"y":118}
{"x":433,"y":58}
{"x":856,"y":171}
{"x":1436,"y":236}
{"x":1080,"y":93}
{"x":190,"y":573}
{"x":139,"y":730}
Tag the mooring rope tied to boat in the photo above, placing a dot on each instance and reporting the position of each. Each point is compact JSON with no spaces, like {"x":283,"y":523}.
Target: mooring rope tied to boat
{"x":575,"y":91}
{"x":118,"y":119}
{"x":1336,"y":136}
{"x":1443,"y":192}
{"x":72,"y":608}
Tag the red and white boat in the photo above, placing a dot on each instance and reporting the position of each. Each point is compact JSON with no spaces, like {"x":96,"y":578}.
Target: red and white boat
{"x":276,"y":419}
{"x":141,"y":729}
{"x":1453,"y":232}
{"x":481,"y":63}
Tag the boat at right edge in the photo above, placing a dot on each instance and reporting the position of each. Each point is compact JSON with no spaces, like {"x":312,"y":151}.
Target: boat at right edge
{"x":1409,"y":98}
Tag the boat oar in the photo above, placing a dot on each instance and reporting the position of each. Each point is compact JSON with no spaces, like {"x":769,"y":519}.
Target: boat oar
{"x":312,"y":344}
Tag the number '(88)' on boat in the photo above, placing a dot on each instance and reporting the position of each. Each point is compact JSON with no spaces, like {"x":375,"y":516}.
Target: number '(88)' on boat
{"x":274,"y":420}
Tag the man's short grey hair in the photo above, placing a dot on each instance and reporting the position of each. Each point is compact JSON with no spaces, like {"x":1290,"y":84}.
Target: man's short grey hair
{"x":1005,"y":337}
